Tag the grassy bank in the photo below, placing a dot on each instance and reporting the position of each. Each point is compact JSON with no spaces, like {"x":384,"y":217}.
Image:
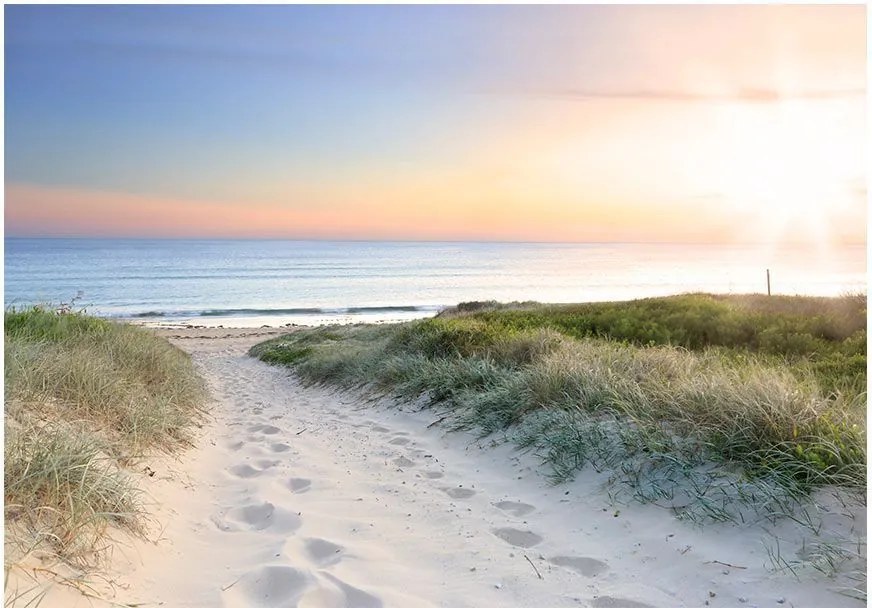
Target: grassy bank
{"x":716,"y":407}
{"x":85,"y":399}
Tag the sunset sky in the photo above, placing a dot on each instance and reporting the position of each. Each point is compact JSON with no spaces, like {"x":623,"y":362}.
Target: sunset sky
{"x":543,"y":123}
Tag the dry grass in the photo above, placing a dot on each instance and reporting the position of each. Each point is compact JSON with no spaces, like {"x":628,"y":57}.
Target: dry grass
{"x":84,"y":399}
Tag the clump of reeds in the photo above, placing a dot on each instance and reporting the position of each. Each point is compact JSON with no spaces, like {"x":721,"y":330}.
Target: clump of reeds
{"x":84,"y":399}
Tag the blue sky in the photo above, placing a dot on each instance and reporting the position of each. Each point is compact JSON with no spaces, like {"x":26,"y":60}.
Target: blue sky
{"x":332,"y":107}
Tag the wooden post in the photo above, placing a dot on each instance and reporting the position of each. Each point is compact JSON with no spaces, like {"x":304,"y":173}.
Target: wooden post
{"x":768,"y":287}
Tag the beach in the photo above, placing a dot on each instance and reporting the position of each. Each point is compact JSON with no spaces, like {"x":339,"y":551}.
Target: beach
{"x":435,"y":306}
{"x":303,"y":496}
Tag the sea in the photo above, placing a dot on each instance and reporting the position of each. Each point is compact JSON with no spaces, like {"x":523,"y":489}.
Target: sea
{"x":249,"y":283}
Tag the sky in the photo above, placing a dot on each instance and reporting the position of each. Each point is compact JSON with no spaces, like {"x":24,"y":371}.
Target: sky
{"x":532,"y":123}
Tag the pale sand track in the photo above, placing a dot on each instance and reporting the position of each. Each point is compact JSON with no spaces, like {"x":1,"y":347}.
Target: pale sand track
{"x":304,"y":497}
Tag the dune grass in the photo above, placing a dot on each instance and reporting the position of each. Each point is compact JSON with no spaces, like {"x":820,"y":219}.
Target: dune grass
{"x":85,"y":398}
{"x":716,"y":407}
{"x":826,"y":334}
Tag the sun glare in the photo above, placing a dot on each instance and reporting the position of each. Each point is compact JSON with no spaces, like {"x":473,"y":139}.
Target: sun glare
{"x":791,"y":167}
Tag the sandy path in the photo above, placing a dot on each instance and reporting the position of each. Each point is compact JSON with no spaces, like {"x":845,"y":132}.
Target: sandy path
{"x":302,"y":497}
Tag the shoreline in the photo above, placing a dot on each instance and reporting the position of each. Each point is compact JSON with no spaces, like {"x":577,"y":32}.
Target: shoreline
{"x":273,"y":321}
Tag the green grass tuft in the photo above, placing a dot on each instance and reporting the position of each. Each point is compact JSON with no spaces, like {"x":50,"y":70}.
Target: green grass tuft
{"x":84,"y":398}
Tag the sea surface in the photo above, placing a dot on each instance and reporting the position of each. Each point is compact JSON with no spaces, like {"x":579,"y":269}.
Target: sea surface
{"x":257,"y":282}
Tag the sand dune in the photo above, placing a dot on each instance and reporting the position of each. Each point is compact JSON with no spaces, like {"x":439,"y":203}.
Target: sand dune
{"x":303,"y":497}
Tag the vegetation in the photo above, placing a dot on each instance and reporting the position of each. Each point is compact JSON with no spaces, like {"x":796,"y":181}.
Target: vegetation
{"x":85,"y":398}
{"x":771,"y":390}
{"x":829,"y":334}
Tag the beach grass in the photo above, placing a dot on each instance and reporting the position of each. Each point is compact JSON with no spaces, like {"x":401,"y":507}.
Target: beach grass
{"x":85,"y":399}
{"x":717,"y":407}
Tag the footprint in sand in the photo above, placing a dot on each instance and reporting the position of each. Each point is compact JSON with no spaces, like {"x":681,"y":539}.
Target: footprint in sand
{"x":518,"y":538}
{"x":279,"y":447}
{"x":518,"y":509}
{"x":607,"y":601}
{"x":433,"y":474}
{"x":266,"y":429}
{"x":459,"y":492}
{"x":323,"y":552}
{"x":244,"y":471}
{"x":399,"y":441}
{"x":299,"y":485}
{"x":402,"y":461}
{"x":235,"y":445}
{"x":586,"y":566}
{"x":380,"y":429}
{"x":258,"y":517}
{"x":354,"y":597}
{"x":270,"y":586}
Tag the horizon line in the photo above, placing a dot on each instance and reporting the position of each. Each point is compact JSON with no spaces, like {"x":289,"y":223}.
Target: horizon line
{"x":384,"y":240}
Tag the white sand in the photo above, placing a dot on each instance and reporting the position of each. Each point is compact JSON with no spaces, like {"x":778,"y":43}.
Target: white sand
{"x":303,"y":497}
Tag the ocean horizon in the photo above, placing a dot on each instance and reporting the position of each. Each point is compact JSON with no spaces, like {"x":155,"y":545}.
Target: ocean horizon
{"x":245,"y":282}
